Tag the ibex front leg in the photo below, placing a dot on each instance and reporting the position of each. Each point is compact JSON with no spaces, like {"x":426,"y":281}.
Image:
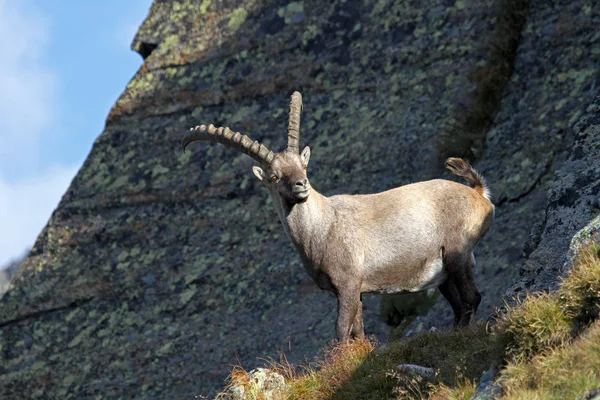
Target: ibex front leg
{"x":348,"y":298}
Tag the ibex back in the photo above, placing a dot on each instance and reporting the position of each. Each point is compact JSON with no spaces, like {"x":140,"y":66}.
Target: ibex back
{"x":408,"y":239}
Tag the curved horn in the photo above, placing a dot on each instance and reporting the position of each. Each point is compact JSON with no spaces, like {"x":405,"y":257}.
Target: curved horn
{"x":294,"y":123}
{"x":231,"y":139}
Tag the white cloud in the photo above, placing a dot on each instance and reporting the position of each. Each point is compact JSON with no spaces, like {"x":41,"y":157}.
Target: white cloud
{"x":28,"y":89}
{"x":30,"y":105}
{"x":26,"y":206}
{"x":28,"y":102}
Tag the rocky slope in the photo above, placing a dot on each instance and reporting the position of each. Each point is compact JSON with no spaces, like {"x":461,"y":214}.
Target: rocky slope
{"x":7,"y":272}
{"x":158,"y":270}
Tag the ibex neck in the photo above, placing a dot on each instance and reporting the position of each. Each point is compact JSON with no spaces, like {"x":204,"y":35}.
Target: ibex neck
{"x":307,"y":223}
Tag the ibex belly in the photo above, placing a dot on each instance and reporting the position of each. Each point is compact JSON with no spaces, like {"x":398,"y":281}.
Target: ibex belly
{"x":400,"y":280}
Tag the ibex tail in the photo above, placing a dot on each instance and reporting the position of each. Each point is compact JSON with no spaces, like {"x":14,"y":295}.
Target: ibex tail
{"x":460,"y":167}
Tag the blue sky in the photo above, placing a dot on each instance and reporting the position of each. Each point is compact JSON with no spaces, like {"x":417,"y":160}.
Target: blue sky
{"x":63,"y":64}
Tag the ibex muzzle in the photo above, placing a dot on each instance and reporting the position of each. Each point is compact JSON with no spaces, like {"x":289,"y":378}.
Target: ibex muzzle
{"x":408,"y":239}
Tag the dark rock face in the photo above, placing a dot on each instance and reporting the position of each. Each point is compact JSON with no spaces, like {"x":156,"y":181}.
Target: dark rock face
{"x":160,"y":269}
{"x":572,"y":204}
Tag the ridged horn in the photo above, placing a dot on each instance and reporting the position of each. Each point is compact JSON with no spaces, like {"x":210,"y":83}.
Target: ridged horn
{"x":294,"y":123}
{"x":226,"y":136}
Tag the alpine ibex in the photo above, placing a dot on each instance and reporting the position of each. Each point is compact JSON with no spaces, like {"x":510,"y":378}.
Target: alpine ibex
{"x":408,"y":239}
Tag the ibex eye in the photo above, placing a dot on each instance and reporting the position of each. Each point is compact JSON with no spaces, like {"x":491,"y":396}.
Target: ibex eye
{"x":273,"y":178}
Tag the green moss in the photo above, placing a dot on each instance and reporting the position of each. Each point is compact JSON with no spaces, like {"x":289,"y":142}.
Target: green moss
{"x":204,"y":5}
{"x":290,"y":10}
{"x":237,"y":18}
{"x":170,"y":41}
{"x":187,"y":294}
{"x":38,"y":365}
{"x":166,"y":348}
{"x":71,"y":315}
{"x":159,"y":170}
{"x":81,"y":336}
{"x":119,"y":182}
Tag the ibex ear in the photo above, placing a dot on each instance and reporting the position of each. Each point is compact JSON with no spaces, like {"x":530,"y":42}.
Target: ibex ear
{"x":305,"y":155}
{"x":260,"y":174}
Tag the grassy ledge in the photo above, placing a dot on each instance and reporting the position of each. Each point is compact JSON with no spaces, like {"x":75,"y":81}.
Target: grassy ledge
{"x":554,"y":339}
{"x":546,"y":347}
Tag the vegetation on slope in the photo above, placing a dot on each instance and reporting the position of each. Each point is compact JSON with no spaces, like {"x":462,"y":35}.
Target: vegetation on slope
{"x":554,"y":343}
{"x":547,"y":346}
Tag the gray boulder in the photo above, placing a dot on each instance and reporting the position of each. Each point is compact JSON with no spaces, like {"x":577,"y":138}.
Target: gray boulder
{"x":271,"y":386}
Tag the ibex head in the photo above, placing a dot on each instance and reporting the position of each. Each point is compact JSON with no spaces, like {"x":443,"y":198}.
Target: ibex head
{"x":284,"y":172}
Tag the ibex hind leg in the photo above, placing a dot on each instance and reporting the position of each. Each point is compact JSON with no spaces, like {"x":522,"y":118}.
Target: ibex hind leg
{"x":460,"y":289}
{"x":450,"y":292}
{"x":469,"y":294}
{"x":358,"y":330}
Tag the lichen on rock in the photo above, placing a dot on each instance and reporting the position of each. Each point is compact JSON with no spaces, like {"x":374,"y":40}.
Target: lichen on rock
{"x":159,"y":270}
{"x":270,"y":385}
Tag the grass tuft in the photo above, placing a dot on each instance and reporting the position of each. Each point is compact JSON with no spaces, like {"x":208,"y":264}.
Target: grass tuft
{"x":464,"y":390}
{"x":538,"y":323}
{"x":565,"y":372}
{"x":580,"y":292}
{"x":554,"y":343}
{"x":334,"y":366}
{"x":544,"y":321}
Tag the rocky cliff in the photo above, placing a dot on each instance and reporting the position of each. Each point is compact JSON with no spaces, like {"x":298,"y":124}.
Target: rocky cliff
{"x":159,"y":269}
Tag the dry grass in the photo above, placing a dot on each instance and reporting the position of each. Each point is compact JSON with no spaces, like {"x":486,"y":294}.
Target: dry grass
{"x":551,"y":341}
{"x":333,"y":368}
{"x":554,"y":343}
{"x":317,"y":380}
{"x":580,"y":292}
{"x":464,"y":390}
{"x":544,"y":321}
{"x":564,"y":372}
{"x":359,"y":370}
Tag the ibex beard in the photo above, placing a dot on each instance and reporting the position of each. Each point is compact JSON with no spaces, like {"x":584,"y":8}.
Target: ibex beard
{"x":408,"y":239}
